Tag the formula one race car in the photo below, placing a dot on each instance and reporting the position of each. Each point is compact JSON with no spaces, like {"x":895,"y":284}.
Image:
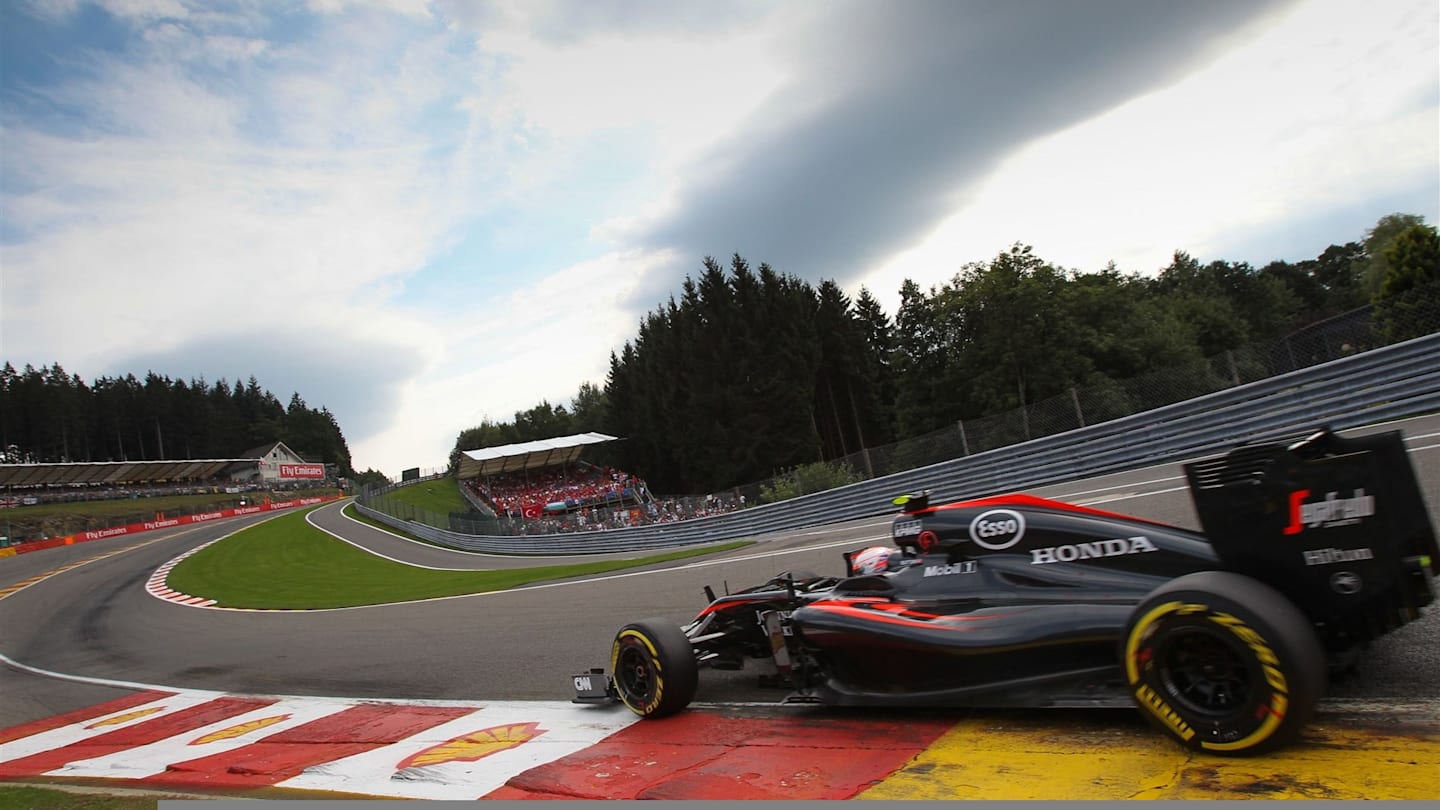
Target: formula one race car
{"x":1223,"y":639}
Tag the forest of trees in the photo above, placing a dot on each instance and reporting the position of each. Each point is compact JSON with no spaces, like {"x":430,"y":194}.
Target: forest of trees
{"x":752,"y":371}
{"x":47,"y":415}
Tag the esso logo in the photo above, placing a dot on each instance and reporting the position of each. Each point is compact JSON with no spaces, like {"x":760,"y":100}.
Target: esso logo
{"x":997,"y":529}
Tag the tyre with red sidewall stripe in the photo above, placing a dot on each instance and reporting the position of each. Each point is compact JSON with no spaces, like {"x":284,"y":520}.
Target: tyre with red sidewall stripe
{"x":653,"y":666}
{"x":1223,"y":663}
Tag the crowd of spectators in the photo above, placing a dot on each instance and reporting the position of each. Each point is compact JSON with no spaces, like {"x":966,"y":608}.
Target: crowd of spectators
{"x":533,"y":494}
{"x":598,"y":518}
{"x":112,"y":492}
{"x":586,"y":498}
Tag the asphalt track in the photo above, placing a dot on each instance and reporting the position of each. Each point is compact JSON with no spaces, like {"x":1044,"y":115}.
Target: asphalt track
{"x":95,"y":623}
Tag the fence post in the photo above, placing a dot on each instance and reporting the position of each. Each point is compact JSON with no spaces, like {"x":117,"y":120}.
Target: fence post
{"x":1079,"y":414}
{"x":964,"y":442}
{"x":1024,"y":410}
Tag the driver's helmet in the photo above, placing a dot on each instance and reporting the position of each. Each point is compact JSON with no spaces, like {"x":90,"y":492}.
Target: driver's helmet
{"x":873,"y":560}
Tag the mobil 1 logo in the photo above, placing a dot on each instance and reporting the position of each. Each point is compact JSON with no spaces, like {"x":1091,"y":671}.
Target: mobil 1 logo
{"x":997,"y":529}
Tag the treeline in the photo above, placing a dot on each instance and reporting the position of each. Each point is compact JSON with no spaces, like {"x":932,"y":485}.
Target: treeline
{"x":47,"y":415}
{"x":752,"y":371}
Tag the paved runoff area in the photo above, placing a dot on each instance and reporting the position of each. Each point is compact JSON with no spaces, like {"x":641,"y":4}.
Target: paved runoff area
{"x":237,"y":745}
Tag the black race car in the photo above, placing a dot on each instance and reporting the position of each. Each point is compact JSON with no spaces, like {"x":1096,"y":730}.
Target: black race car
{"x":1223,"y":639}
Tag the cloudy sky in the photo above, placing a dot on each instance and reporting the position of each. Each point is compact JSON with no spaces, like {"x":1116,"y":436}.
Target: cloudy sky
{"x":420,"y":215}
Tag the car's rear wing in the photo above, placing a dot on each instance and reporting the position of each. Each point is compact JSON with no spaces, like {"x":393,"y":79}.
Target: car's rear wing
{"x":1338,"y":525}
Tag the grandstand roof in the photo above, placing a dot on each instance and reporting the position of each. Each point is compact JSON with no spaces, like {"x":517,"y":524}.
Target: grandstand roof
{"x":526,"y":455}
{"x":112,"y":472}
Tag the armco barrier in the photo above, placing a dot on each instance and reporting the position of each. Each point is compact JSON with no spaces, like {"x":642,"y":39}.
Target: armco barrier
{"x":1378,"y":385}
{"x":153,"y":525}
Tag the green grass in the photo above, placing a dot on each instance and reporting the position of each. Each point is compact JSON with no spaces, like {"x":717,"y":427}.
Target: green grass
{"x":285,"y":563}
{"x":92,"y":795}
{"x":354,"y":514}
{"x":439,"y":495}
{"x":37,"y":798}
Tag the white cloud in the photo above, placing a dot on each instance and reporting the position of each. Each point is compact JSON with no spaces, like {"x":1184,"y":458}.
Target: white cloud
{"x":218,"y":50}
{"x":635,"y":103}
{"x":144,"y":10}
{"x":218,"y":233}
{"x":411,"y":8}
{"x":52,"y":9}
{"x":1317,"y":111}
{"x":220,"y":183}
{"x":679,"y":91}
{"x":172,"y":225}
{"x":539,"y":343}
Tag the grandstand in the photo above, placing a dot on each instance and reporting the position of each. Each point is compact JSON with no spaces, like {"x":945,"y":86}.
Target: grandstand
{"x":560,"y":451}
{"x":268,"y":465}
{"x":544,"y":487}
{"x":544,"y":478}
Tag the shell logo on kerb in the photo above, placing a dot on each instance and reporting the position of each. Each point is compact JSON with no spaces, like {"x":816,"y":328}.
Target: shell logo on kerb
{"x":997,"y":529}
{"x":127,"y":717}
{"x":239,"y":730}
{"x":477,"y":745}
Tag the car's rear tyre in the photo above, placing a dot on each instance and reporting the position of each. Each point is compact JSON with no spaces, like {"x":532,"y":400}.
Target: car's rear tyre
{"x":654,"y":669}
{"x":1223,"y":663}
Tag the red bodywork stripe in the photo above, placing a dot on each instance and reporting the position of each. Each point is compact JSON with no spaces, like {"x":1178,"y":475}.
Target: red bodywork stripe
{"x":1033,"y":501}
{"x":716,"y":608}
{"x":880,"y":610}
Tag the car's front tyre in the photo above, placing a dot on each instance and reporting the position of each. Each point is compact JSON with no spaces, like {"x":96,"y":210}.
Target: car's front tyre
{"x":653,"y":666}
{"x":1223,"y":663}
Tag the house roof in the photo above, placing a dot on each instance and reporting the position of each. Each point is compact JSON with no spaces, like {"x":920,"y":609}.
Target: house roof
{"x":264,"y":450}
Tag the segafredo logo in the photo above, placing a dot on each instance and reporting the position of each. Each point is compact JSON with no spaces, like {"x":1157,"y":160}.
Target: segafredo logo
{"x":1329,"y":513}
{"x":997,"y":529}
{"x":1119,"y":547}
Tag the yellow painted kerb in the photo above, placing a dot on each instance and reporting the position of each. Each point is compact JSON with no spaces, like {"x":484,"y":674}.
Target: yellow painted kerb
{"x":1106,"y":755}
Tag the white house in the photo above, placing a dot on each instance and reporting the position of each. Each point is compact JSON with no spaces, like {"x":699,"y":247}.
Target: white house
{"x":275,"y":463}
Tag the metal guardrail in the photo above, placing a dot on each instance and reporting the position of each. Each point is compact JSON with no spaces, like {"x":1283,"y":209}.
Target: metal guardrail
{"x":1387,"y":383}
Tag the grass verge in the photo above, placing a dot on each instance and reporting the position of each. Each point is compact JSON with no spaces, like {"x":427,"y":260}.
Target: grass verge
{"x":98,"y":795}
{"x":287,"y":564}
{"x":354,"y":514}
{"x":27,"y":797}
{"x":440,"y":495}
